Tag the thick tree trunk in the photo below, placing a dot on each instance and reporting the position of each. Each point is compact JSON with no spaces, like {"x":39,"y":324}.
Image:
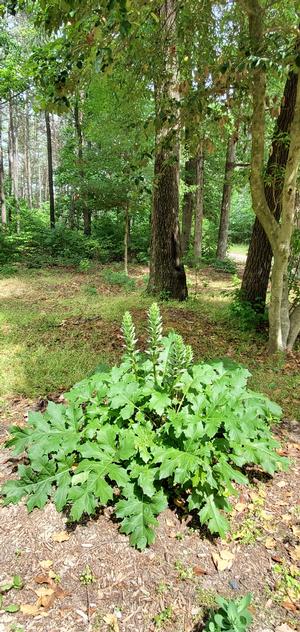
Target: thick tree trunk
{"x":167,"y":275}
{"x":50,"y":170}
{"x":226,"y":198}
{"x":258,"y":265}
{"x":199,"y":203}
{"x":2,"y":193}
{"x":85,"y":208}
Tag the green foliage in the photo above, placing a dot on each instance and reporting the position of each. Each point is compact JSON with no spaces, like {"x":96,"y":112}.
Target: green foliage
{"x":115,"y":277}
{"x":233,"y":616}
{"x":151,"y":429}
{"x":224,"y":265}
{"x":245,"y":315}
{"x":241,"y":217}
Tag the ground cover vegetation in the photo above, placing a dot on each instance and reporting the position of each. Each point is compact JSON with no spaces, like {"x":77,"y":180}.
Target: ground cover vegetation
{"x":149,"y":151}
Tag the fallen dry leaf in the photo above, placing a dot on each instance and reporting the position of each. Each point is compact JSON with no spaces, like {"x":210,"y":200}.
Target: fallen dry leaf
{"x":112,"y":621}
{"x":281,"y":484}
{"x":44,"y":592}
{"x":296,"y":530}
{"x":60,"y":536}
{"x":198,"y":570}
{"x":223,"y":560}
{"x":29,"y":609}
{"x":289,"y":605}
{"x":43,"y":579}
{"x":295,"y":553}
{"x":45,"y":564}
{"x":239,"y":507}
{"x":284,"y":628}
{"x":270,"y":543}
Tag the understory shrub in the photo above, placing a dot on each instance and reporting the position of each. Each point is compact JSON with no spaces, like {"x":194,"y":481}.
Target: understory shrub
{"x":153,"y":429}
{"x":115,"y":277}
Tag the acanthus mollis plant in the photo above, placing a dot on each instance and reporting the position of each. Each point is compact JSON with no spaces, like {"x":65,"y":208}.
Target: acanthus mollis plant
{"x":154,"y":427}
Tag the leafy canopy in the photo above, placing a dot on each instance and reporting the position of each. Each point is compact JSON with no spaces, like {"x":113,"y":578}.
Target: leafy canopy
{"x":152,"y":429}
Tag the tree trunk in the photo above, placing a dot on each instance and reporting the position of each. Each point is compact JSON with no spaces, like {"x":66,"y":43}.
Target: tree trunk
{"x":27,"y":155}
{"x":259,"y":259}
{"x":226,"y":198}
{"x":199,"y":203}
{"x":188,"y":203}
{"x":50,"y":170}
{"x":2,"y":193}
{"x":279,"y":234}
{"x":86,"y":211}
{"x":126,"y":240}
{"x":167,"y":275}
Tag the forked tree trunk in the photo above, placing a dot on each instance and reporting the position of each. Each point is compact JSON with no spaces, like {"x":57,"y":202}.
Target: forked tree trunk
{"x":279,"y":234}
{"x":258,"y":265}
{"x":167,"y":275}
{"x":50,"y":170}
{"x":226,"y":198}
{"x":2,"y":193}
{"x":199,"y":203}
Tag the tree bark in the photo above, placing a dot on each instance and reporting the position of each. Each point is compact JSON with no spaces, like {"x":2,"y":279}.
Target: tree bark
{"x":50,"y":170}
{"x":199,"y":203}
{"x":87,"y":227}
{"x":126,"y":239}
{"x":27,"y":155}
{"x":279,"y":234}
{"x":2,"y":192}
{"x":258,"y":265}
{"x":226,"y":198}
{"x":167,"y":274}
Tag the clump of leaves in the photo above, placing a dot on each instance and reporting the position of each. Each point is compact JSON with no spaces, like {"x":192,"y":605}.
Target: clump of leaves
{"x":232,"y":616}
{"x":155,"y":428}
{"x":115,"y":277}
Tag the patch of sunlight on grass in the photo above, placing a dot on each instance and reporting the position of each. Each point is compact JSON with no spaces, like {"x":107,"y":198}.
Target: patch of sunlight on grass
{"x":12,"y":369}
{"x":239,"y":249}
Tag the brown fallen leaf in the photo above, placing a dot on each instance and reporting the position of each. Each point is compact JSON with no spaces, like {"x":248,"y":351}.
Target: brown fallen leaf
{"x":42,"y":579}
{"x":223,"y":560}
{"x":270,"y":543}
{"x":276,"y":558}
{"x":296,"y":530}
{"x":45,"y":564}
{"x":239,"y":507}
{"x":44,"y":592}
{"x":295,"y":553}
{"x":60,"y":536}
{"x":112,"y":621}
{"x":287,"y":604}
{"x":46,"y":601}
{"x":29,"y":609}
{"x":198,"y":570}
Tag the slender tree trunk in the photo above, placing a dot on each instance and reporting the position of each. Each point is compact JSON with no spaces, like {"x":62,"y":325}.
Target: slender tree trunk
{"x":259,"y":259}
{"x":50,"y":170}
{"x":189,"y":197}
{"x":126,"y":239}
{"x":199,"y":204}
{"x":226,"y":198}
{"x":86,"y":211}
{"x":167,"y":275}
{"x":2,"y":193}
{"x":27,"y":155}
